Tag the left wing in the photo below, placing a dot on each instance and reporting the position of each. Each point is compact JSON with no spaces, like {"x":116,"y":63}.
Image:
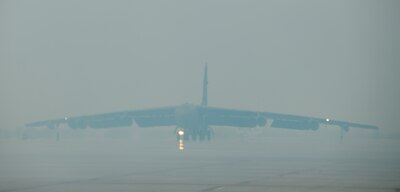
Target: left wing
{"x":164,"y":116}
{"x":244,"y":118}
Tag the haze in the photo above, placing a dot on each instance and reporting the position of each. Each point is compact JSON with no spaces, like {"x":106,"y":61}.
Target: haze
{"x":337,"y":59}
{"x":318,"y":58}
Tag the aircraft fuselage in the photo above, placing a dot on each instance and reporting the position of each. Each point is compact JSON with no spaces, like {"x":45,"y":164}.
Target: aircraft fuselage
{"x":190,"y":118}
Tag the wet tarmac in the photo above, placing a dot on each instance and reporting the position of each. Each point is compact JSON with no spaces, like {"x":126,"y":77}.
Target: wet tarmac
{"x":221,"y":165}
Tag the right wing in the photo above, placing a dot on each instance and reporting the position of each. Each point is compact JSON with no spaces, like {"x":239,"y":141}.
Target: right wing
{"x":164,"y":116}
{"x":245,"y":118}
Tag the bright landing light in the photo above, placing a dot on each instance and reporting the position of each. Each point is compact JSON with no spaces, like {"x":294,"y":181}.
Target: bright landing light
{"x":327,"y":119}
{"x":181,"y":133}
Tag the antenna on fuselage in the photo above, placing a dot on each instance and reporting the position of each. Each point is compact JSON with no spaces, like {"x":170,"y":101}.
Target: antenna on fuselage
{"x":204,"y":100}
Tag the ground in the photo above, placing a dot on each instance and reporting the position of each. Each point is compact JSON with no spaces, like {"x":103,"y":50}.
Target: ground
{"x":250,"y":163}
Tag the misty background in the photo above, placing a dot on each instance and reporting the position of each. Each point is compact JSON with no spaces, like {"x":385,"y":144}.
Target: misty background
{"x":337,"y":59}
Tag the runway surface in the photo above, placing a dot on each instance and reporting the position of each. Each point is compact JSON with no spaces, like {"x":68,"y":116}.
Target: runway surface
{"x":230,"y":164}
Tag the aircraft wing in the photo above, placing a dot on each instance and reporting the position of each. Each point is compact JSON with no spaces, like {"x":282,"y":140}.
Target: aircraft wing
{"x":244,"y":118}
{"x":164,"y":116}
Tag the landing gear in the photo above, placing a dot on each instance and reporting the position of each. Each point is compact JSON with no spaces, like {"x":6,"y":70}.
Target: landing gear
{"x":209,"y":133}
{"x":58,"y":133}
{"x":195,"y":134}
{"x":342,"y":131}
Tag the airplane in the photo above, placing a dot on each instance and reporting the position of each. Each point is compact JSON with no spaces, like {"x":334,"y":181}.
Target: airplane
{"x":195,"y":121}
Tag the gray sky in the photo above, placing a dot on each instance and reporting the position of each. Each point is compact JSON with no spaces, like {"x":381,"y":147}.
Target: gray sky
{"x":319,"y":58}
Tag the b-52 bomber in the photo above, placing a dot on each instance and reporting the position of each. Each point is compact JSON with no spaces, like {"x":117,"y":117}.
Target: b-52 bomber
{"x":195,"y":121}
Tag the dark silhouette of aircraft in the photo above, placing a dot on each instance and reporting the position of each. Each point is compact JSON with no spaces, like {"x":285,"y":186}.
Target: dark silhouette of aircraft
{"x":194,"y":121}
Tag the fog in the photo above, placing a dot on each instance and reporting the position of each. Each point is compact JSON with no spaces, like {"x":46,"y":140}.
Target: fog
{"x":337,"y":59}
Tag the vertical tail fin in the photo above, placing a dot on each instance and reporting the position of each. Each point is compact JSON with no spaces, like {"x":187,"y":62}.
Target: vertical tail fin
{"x":205,"y":82}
